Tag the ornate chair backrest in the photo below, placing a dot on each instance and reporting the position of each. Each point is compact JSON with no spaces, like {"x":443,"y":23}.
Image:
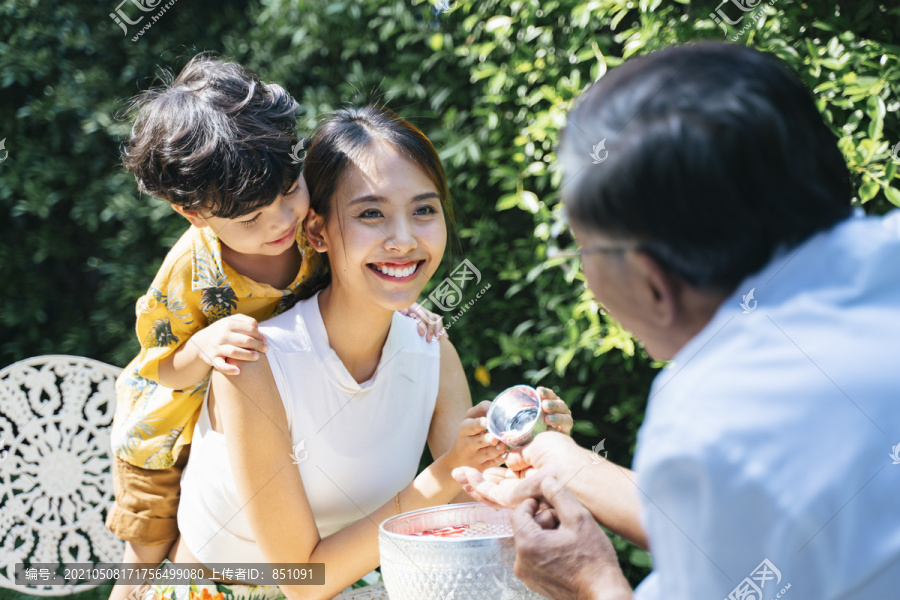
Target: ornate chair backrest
{"x":55,"y":458}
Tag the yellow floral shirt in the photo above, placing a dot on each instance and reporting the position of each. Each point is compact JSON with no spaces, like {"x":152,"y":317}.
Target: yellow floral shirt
{"x":192,"y":289}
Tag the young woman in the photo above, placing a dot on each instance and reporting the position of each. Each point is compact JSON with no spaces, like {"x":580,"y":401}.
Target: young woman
{"x":302,"y":455}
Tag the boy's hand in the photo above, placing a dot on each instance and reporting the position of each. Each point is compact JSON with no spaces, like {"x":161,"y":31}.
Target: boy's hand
{"x":475,"y":447}
{"x":430,"y":325}
{"x":558,"y":416}
{"x":233,"y":338}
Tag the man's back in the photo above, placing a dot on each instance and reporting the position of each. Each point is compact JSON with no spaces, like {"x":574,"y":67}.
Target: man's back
{"x":769,"y":437}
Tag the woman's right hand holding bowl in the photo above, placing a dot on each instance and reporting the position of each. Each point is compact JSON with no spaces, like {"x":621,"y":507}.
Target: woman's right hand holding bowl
{"x":474,"y":446}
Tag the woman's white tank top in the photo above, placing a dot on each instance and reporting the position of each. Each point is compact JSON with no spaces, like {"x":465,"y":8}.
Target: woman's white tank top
{"x":356,"y":445}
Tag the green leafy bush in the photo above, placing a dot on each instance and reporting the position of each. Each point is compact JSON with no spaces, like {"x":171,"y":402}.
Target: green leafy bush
{"x":490,"y":82}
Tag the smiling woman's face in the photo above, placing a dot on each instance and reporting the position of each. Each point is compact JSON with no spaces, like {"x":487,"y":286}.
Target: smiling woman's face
{"x":386,"y":233}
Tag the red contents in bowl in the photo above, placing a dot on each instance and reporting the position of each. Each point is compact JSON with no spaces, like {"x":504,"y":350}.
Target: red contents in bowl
{"x":451,"y":531}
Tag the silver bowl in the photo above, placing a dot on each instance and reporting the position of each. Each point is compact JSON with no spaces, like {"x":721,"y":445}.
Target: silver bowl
{"x":478,"y":565}
{"x":515,"y":416}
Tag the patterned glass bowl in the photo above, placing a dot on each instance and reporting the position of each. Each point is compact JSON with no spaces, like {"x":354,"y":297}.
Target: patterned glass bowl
{"x":476,"y":565}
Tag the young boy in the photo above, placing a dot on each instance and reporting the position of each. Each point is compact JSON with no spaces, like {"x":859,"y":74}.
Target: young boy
{"x":217,"y":144}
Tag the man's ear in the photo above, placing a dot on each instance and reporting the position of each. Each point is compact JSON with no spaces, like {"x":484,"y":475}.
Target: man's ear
{"x":192,"y":216}
{"x":315,"y":231}
{"x":660,"y":292}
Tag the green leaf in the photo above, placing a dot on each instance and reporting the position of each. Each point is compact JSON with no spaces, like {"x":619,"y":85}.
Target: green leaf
{"x":825,"y":26}
{"x":867,"y":191}
{"x":640,"y":558}
{"x":564,"y":358}
{"x":876,"y":110}
{"x":617,"y":18}
{"x":893,"y":195}
{"x":585,"y":427}
{"x":529,"y":201}
{"x":834,"y":64}
{"x":507,"y":202}
{"x":498,"y":23}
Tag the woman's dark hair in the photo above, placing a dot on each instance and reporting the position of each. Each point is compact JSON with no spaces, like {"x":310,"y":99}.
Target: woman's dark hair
{"x":215,"y":138}
{"x":343,"y":139}
{"x":717,"y":156}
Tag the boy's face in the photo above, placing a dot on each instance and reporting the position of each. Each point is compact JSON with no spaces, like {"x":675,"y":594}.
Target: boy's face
{"x":268,"y":231}
{"x":386,"y":234}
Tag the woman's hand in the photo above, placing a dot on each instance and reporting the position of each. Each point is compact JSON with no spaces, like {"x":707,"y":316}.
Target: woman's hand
{"x":474,"y":446}
{"x":558,"y":416}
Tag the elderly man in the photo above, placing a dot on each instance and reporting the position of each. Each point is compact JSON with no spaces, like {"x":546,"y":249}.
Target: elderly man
{"x":718,"y":229}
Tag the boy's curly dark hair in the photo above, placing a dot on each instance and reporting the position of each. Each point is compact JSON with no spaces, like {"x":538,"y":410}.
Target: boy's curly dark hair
{"x":216,"y":138}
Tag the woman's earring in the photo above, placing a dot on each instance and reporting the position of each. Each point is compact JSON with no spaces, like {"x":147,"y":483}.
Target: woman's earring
{"x":319,"y":243}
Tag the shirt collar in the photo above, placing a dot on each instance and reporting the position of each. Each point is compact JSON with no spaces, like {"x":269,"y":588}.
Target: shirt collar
{"x":332,"y":365}
{"x":206,"y":260}
{"x":208,"y":270}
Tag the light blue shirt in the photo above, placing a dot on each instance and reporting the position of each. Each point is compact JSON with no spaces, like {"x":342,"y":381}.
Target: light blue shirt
{"x":768,"y":458}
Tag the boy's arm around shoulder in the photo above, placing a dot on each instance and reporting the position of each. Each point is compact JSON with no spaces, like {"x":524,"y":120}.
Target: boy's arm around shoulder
{"x":224,"y":345}
{"x":178,"y":345}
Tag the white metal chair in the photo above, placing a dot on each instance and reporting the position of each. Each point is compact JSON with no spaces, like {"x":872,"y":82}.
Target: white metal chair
{"x":55,"y":458}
